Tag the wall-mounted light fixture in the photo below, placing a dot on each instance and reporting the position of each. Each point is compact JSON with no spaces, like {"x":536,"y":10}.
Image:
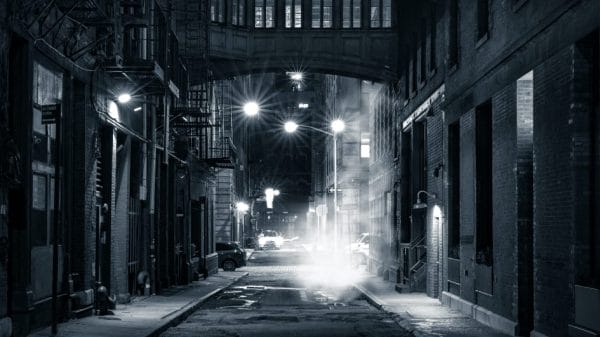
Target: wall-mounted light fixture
{"x":420,"y":204}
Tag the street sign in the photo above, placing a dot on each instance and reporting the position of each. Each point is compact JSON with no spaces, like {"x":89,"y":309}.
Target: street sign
{"x":50,"y":113}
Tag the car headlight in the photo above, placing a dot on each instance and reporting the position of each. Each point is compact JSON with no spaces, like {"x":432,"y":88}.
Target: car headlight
{"x":262,"y":241}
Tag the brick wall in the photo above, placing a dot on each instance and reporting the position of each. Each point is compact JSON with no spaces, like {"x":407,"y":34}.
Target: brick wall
{"x":120,"y":226}
{"x":553,"y":198}
{"x":504,"y":185}
{"x":4,"y":47}
{"x":467,"y":205}
{"x":83,"y":188}
{"x":435,"y":184}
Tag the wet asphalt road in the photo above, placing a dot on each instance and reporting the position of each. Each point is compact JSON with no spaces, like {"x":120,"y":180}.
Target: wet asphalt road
{"x":282,"y":297}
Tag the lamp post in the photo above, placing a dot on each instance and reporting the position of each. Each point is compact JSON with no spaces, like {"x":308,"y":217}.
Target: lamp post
{"x":337,"y":126}
{"x":242,"y":208}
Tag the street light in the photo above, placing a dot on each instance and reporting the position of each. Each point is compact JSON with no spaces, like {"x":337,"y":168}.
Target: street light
{"x":251,"y":108}
{"x":290,"y":127}
{"x":420,"y":204}
{"x":124,"y":98}
{"x":337,"y":126}
{"x":270,"y":195}
{"x":296,"y":76}
{"x":242,"y":208}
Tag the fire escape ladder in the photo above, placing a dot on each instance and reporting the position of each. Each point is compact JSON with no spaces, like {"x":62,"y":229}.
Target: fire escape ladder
{"x":73,"y":27}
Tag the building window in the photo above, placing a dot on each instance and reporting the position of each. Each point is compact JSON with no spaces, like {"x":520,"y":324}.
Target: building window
{"x":264,"y":13}
{"x":238,"y":12}
{"x":453,"y":37}
{"x":217,"y":11}
{"x":365,"y":146}
{"x":293,"y":13}
{"x":414,"y":63}
{"x":47,"y":89}
{"x":406,"y":74}
{"x":483,"y":19}
{"x":423,"y":47}
{"x":351,"y":14}
{"x":432,"y":38}
{"x":322,"y":13}
{"x":381,"y":13}
{"x":483,"y":177}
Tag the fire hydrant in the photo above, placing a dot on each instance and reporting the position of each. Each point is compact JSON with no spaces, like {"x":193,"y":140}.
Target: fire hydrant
{"x":104,"y":302}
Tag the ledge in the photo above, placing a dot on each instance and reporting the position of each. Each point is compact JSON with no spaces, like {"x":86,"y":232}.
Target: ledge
{"x":480,"y":314}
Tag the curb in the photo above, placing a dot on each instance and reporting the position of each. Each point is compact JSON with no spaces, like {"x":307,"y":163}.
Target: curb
{"x":184,"y":312}
{"x":380,"y":304}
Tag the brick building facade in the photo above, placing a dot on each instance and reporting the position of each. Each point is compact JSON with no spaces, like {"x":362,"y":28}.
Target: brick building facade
{"x":496,"y":119}
{"x":136,"y":185}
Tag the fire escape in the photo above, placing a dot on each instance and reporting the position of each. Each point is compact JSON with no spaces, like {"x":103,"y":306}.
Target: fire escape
{"x":205,"y":117}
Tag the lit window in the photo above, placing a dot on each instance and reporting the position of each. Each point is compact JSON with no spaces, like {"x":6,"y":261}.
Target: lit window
{"x":365,"y":146}
{"x":381,"y":13}
{"x":322,"y":13}
{"x":264,"y":13}
{"x":238,"y":12}
{"x":293,"y":14}
{"x":217,"y":11}
{"x":351,"y":14}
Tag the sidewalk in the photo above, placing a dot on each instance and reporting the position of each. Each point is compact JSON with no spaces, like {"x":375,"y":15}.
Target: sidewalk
{"x":149,"y":316}
{"x":423,"y":315}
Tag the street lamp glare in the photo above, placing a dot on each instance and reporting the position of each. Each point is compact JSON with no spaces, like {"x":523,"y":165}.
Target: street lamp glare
{"x":124,"y":98}
{"x":290,"y":126}
{"x":338,"y":125}
{"x":242,"y":207}
{"x":297,"y":76}
{"x":276,"y":192}
{"x":251,"y":108}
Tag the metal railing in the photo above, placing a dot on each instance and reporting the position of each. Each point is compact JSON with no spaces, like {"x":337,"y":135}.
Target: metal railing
{"x":414,"y":256}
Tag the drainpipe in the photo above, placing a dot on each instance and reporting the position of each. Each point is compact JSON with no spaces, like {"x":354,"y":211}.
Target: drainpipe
{"x":152,"y":197}
{"x":144,"y":186}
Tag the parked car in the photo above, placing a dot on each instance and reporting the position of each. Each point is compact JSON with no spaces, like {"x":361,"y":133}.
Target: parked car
{"x":360,"y":249}
{"x":270,"y":240}
{"x":231,"y":255}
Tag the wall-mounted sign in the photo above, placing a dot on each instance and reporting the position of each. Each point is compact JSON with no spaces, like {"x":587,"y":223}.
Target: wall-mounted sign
{"x":50,"y":113}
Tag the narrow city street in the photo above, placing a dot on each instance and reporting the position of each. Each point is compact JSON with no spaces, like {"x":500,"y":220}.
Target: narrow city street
{"x":280,"y":297}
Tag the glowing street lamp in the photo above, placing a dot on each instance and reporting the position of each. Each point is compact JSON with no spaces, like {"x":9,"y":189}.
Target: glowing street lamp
{"x":242,"y":207}
{"x":270,"y":195}
{"x":290,"y":127}
{"x":338,"y":125}
{"x":124,"y":98}
{"x":297,"y":76}
{"x":251,"y":108}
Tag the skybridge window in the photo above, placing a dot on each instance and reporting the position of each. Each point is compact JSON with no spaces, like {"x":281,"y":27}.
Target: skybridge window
{"x":293,"y":14}
{"x":322,"y":13}
{"x":264,"y":13}
{"x":351,"y":14}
